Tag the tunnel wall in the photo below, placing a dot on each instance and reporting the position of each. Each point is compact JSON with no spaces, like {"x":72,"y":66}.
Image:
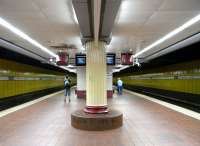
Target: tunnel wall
{"x":181,"y":82}
{"x":21,"y":82}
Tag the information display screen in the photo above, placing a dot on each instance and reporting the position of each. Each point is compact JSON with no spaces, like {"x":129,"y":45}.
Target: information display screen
{"x":110,"y":59}
{"x":80,"y":59}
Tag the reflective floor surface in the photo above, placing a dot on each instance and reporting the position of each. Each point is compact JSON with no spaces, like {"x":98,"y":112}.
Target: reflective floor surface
{"x":146,"y":123}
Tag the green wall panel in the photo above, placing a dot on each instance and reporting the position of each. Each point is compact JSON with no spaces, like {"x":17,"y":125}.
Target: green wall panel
{"x":183,"y":77}
{"x":16,"y":78}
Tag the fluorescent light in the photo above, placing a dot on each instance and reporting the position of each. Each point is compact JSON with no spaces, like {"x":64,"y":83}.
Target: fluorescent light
{"x":70,"y":65}
{"x":122,"y":67}
{"x":169,"y":35}
{"x":74,"y":15}
{"x":116,"y":70}
{"x":119,"y":65}
{"x":18,"y":32}
{"x":82,"y":48}
{"x":70,"y":70}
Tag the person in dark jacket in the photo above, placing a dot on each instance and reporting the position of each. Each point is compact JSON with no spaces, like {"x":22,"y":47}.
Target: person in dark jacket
{"x":67,"y":86}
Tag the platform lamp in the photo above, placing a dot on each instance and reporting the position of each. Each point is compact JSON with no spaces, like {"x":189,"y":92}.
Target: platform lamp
{"x":135,"y":61}
{"x":52,"y":60}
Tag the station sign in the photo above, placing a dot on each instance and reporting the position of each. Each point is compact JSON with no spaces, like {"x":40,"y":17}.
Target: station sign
{"x":126,"y":58}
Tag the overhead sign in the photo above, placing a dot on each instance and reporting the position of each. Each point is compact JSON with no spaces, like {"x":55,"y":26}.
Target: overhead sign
{"x":126,"y":59}
{"x":63,"y":58}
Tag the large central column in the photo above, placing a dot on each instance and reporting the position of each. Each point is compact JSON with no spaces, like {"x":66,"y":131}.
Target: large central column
{"x":96,"y":99}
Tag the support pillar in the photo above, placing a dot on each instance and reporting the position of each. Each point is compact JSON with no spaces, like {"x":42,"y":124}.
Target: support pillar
{"x":96,"y":99}
{"x":95,"y":116}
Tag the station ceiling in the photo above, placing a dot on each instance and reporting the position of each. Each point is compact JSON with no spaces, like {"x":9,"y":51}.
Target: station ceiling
{"x":142,"y":22}
{"x":138,"y":23}
{"x":50,"y":22}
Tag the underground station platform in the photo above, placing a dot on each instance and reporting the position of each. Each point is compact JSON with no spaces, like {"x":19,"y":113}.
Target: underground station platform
{"x":145,"y":122}
{"x":99,"y":72}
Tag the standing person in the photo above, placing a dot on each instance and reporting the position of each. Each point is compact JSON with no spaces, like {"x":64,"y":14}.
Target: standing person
{"x":119,"y":86}
{"x":67,"y":83}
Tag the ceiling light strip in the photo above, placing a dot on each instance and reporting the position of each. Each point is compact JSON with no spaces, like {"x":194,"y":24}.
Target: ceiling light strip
{"x":169,"y":35}
{"x":18,"y":32}
{"x":68,"y":69}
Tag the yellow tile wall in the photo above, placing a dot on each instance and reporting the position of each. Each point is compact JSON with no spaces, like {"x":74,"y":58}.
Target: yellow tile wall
{"x":180,"y":85}
{"x":16,"y":87}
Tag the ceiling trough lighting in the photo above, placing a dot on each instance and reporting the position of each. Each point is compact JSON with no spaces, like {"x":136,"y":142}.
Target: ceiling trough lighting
{"x":169,"y":35}
{"x":74,"y":16}
{"x":18,"y":32}
{"x":122,"y":67}
{"x":11,"y":46}
{"x":68,"y":69}
{"x":183,"y":43}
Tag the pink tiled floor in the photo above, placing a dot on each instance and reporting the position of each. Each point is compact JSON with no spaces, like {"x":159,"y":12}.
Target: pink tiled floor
{"x":47,"y":123}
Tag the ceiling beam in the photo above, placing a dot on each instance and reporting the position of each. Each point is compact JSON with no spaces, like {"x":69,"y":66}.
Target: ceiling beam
{"x":84,"y":14}
{"x":97,"y":11}
{"x":96,"y":18}
{"x":109,"y":10}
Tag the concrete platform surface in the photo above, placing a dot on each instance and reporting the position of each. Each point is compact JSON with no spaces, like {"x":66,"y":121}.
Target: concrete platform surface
{"x":146,"y":123}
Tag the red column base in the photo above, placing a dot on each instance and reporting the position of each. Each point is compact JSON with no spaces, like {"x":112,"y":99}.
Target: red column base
{"x":96,"y":109}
